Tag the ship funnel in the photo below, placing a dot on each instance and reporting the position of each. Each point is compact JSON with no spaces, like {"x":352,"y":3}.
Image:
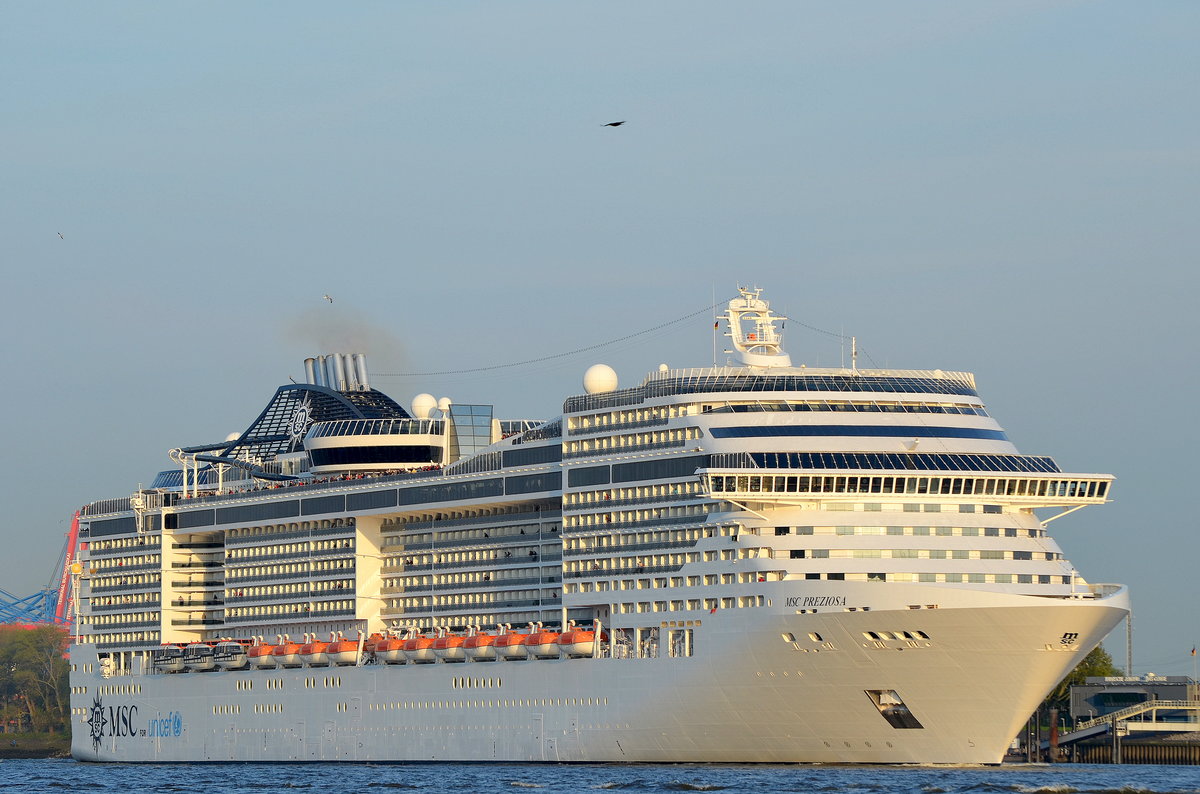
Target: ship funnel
{"x":339,"y":371}
{"x":351,"y":375}
{"x":360,"y":364}
{"x":310,"y":375}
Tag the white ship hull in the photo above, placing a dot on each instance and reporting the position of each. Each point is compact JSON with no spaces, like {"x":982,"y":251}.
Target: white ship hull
{"x":748,"y":694}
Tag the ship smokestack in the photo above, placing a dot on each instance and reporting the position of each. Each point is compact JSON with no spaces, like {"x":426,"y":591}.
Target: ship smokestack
{"x":319,"y":371}
{"x":310,"y":375}
{"x":360,"y":363}
{"x":339,"y":371}
{"x":351,"y":375}
{"x":330,"y":372}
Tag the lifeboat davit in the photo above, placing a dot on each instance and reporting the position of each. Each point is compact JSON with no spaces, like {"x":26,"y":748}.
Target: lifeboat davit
{"x":511,"y":645}
{"x":260,"y":656}
{"x":313,"y":653}
{"x":543,"y":644}
{"x":390,"y":650}
{"x":231,"y":654}
{"x":343,"y":651}
{"x":579,"y":642}
{"x":199,"y":657}
{"x":169,"y":659}
{"x":419,"y":649}
{"x":480,"y":647}
{"x":287,"y":654}
{"x":449,"y":649}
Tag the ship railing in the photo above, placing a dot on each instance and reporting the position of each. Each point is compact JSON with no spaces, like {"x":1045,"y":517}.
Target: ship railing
{"x":669,"y":544}
{"x":93,"y":606}
{"x":482,"y":522}
{"x":591,"y":453}
{"x":637,"y":570}
{"x":602,"y":504}
{"x":113,"y":570}
{"x":1141,"y":708}
{"x":637,"y":523}
{"x":615,"y":427}
{"x":499,"y":540}
{"x":334,"y":573}
{"x":321,"y":533}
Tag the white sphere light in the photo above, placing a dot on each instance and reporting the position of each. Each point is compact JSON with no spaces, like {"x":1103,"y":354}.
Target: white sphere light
{"x":599,"y":378}
{"x":423,"y":405}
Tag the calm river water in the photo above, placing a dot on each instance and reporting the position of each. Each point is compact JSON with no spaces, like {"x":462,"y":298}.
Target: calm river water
{"x":49,"y":776}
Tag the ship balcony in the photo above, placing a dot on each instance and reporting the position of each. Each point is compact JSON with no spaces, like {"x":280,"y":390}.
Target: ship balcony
{"x":198,"y":584}
{"x":784,"y":487}
{"x":479,"y":522}
{"x":198,"y":622}
{"x":344,"y":551}
{"x":122,"y":605}
{"x":627,"y":449}
{"x":490,"y":564}
{"x":188,"y":603}
{"x":119,"y":568}
{"x":196,"y":565}
{"x":615,"y":427}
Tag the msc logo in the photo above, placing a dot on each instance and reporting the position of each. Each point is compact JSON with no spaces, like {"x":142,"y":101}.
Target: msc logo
{"x":113,"y":721}
{"x":1069,"y":638}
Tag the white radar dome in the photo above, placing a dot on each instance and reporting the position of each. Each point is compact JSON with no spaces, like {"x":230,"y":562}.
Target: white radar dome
{"x":599,"y":378}
{"x":423,"y":405}
{"x":233,"y":436}
{"x":444,"y":404}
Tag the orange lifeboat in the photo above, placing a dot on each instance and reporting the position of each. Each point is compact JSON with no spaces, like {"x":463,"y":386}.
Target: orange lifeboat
{"x":480,"y":647}
{"x":314,"y":652}
{"x":343,"y":651}
{"x":579,"y":642}
{"x":449,"y":649}
{"x":287,"y":653}
{"x":419,"y":649}
{"x":260,"y":656}
{"x":543,"y":644}
{"x":511,"y":645}
{"x":390,"y":650}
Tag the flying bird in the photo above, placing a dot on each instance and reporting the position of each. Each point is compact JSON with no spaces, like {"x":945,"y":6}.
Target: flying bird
{"x":326,"y":297}
{"x":60,"y":235}
{"x":613,"y":124}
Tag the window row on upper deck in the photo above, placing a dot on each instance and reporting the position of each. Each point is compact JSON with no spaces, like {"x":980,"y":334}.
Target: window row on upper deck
{"x":893,"y":461}
{"x":756,"y":382}
{"x":377,"y":427}
{"x":984,"y":486}
{"x":843,"y":406}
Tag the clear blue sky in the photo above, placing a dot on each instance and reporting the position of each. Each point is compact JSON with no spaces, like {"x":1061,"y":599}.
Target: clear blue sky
{"x":1004,"y":187}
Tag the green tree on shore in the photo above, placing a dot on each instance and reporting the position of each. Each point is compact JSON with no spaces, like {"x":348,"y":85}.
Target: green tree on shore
{"x":33,"y":677}
{"x":1098,"y":663}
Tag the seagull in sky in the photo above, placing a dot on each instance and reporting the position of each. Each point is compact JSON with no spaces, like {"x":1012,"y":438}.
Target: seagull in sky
{"x":326,"y":297}
{"x":60,"y":235}
{"x":613,"y":124}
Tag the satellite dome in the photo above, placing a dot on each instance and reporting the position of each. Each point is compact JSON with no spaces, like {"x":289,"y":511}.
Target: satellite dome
{"x":233,"y":436}
{"x":444,"y":404}
{"x":599,"y":378}
{"x":423,"y":405}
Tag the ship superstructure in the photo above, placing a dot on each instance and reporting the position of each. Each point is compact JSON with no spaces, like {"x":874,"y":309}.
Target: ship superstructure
{"x":755,"y":562}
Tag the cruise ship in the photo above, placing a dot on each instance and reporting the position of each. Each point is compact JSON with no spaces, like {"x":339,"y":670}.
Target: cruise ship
{"x":757,"y":562}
